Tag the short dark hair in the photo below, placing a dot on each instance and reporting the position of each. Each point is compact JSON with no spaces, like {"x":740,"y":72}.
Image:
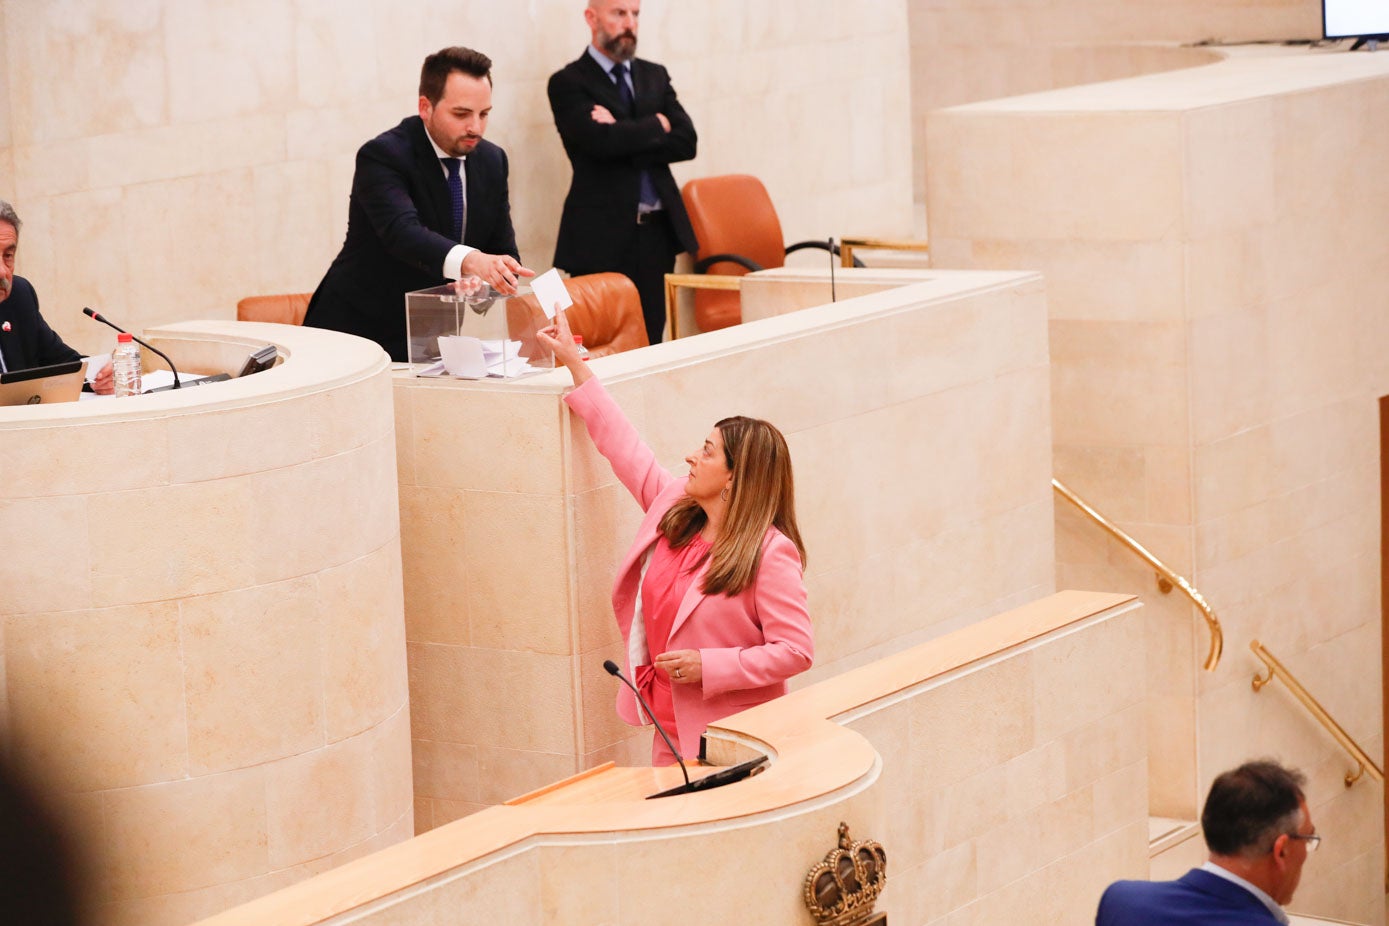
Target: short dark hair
{"x":438,"y":67}
{"x":1251,"y":806}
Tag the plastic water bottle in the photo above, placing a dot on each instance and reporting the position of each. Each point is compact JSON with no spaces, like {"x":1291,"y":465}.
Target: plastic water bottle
{"x":579,"y":343}
{"x":125,"y":364}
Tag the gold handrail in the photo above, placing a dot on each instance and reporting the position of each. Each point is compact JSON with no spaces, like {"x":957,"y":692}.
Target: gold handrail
{"x":847,"y":246}
{"x":1366,"y":764}
{"x":678,"y":281}
{"x":1167,"y":579}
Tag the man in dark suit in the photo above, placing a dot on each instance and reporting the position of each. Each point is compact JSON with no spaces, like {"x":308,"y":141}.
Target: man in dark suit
{"x":429,"y":204}
{"x":622,"y":127}
{"x":25,"y":339}
{"x":1258,"y":830}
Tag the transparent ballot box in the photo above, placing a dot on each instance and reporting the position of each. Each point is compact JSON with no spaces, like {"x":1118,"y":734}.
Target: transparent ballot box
{"x":503,"y":328}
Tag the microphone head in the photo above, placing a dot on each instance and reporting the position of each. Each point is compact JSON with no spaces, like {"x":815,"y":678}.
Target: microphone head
{"x":610,"y":666}
{"x":89,"y":313}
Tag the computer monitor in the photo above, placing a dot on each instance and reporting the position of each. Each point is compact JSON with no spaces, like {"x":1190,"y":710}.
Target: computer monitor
{"x":61,"y":382}
{"x":1362,"y":20}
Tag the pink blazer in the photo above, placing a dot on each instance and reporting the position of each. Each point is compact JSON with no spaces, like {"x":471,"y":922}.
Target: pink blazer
{"x":749,"y":643}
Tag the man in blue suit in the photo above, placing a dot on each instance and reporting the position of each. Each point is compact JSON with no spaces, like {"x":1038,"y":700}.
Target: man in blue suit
{"x":429,"y":204}
{"x":1258,"y":830}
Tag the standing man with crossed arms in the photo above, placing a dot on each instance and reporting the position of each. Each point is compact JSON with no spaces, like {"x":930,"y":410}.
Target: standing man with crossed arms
{"x":622,"y":126}
{"x":429,"y":204}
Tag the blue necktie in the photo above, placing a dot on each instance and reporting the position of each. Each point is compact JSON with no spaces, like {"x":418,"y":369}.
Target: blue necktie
{"x":456,"y":195}
{"x":648,"y":189}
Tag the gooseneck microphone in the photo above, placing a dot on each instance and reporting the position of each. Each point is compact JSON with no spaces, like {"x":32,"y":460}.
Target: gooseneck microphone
{"x":613,"y":670}
{"x":97,"y":316}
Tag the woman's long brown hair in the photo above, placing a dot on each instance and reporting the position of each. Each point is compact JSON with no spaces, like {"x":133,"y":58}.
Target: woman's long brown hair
{"x":762,"y":495}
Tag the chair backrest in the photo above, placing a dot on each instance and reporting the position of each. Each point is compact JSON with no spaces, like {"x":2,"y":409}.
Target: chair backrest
{"x":606,"y":311}
{"x":734,"y":214}
{"x":731,"y":214}
{"x":284,"y":309}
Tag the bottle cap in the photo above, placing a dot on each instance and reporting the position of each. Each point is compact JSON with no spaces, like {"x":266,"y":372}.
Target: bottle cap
{"x":578,"y":339}
{"x":125,"y":337}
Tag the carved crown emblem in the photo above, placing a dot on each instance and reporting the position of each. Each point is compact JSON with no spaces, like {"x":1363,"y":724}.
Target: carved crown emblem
{"x":842,"y":889}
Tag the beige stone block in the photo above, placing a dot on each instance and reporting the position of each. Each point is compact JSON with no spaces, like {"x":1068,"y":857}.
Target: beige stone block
{"x":461,"y":695}
{"x":167,"y":223}
{"x":83,"y":221}
{"x":209,"y":74}
{"x":505,"y":889}
{"x":1113,"y":651}
{"x":443,"y":812}
{"x":111,"y":57}
{"x":1104,"y":745}
{"x":96,"y":697}
{"x":364,"y":673}
{"x":445,"y":770}
{"x":567,"y":867}
{"x":587,"y":469}
{"x":297,"y":236}
{"x":1232,"y":473}
{"x":355,"y":414}
{"x":184,"y":835}
{"x":1229,"y":159}
{"x":605,"y":524}
{"x":435,"y":564}
{"x":35,"y":533}
{"x":1009,"y":853}
{"x":392,"y":780}
{"x":1315,"y":363}
{"x":974,"y":722}
{"x":205,"y":531}
{"x":199,"y":450}
{"x":324,"y":512}
{"x":597,"y":712}
{"x":1143,"y":279}
{"x":1101,"y":175}
{"x":404,"y":433}
{"x":507,"y":773}
{"x":1116,"y":408}
{"x":1120,"y":799}
{"x":1230,"y":271}
{"x":254,"y":680}
{"x":1108,"y":478}
{"x":320,"y":802}
{"x":521,"y":452}
{"x":1168,"y":489}
{"x":517,"y":599}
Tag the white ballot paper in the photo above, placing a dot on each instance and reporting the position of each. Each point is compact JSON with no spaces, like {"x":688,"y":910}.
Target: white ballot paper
{"x":463,"y":356}
{"x":550,"y":292}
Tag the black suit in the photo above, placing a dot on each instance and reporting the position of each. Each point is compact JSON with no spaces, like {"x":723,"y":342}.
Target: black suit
{"x":398,"y":225}
{"x":29,"y":342}
{"x":598,"y":230}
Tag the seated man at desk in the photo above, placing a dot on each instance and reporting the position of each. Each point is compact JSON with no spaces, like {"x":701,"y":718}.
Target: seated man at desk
{"x":25,"y":338}
{"x":429,"y":202}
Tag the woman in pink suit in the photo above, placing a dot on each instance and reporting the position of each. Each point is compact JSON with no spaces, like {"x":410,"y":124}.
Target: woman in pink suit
{"x":710,"y":597}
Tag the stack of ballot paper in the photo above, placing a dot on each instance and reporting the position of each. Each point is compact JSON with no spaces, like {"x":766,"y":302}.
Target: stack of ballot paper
{"x":474,"y":358}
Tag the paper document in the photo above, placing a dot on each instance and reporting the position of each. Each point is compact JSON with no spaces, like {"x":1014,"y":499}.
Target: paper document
{"x":550,"y":292}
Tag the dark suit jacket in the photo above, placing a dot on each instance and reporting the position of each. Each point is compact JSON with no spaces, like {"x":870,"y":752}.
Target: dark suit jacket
{"x":1197,"y":897}
{"x":29,"y":342}
{"x":600,"y":212}
{"x":398,"y":226}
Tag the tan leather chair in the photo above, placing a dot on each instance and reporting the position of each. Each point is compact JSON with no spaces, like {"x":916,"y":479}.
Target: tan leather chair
{"x":606,"y":311}
{"x":284,"y":309}
{"x":738,"y":232}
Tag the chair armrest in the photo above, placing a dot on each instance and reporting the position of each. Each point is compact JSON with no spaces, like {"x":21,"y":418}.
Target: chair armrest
{"x":746,"y":262}
{"x":847,"y":246}
{"x":678,"y":281}
{"x":823,"y":246}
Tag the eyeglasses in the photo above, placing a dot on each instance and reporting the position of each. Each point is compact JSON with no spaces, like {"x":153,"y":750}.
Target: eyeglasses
{"x":1313,"y":841}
